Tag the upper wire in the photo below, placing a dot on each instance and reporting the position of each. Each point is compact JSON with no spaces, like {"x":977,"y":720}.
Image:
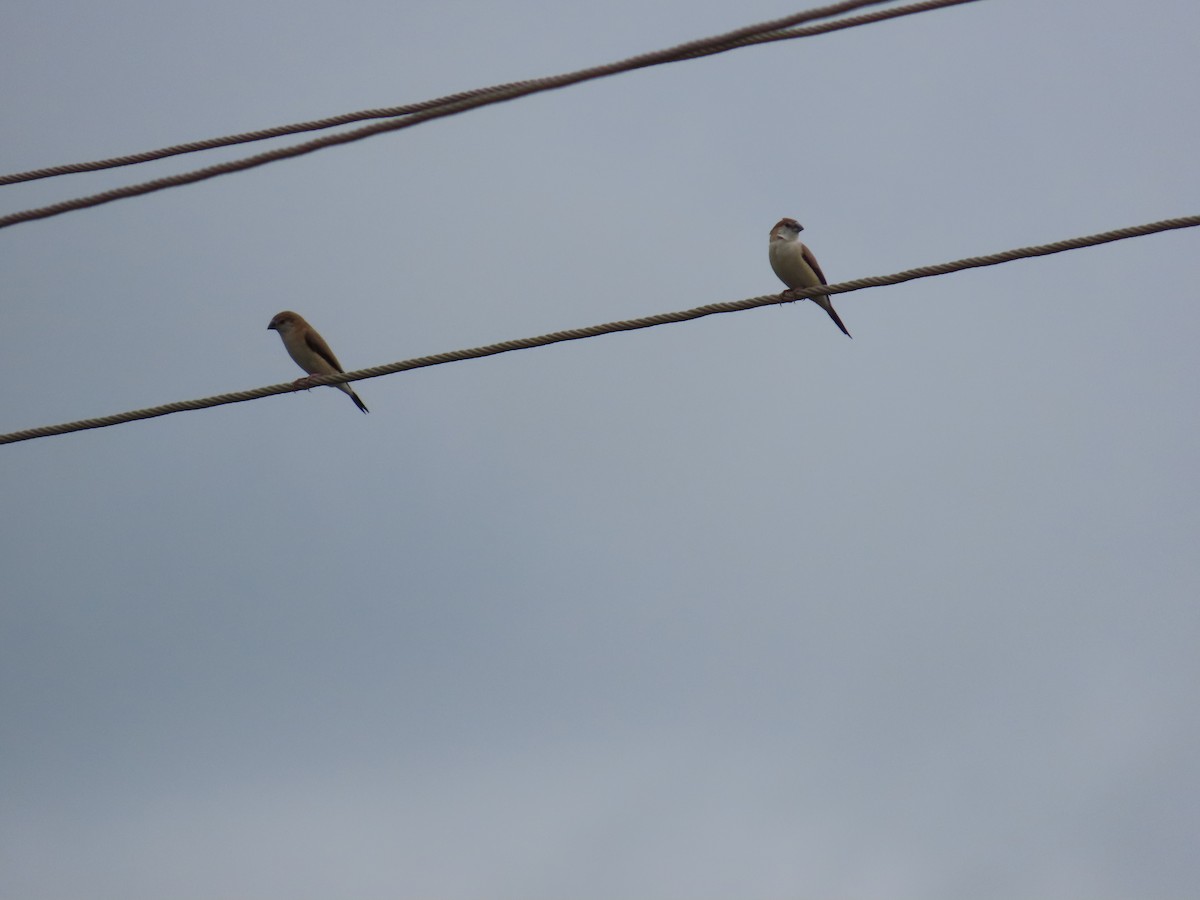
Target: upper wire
{"x":398,"y":118}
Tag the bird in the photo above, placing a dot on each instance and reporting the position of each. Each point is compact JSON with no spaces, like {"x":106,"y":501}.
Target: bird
{"x":796,"y":266}
{"x":310,"y":352}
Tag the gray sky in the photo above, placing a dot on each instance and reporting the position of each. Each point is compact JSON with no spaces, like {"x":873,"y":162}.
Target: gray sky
{"x":735,"y":608}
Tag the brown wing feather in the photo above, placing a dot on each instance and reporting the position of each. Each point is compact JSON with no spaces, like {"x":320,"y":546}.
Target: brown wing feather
{"x":812,"y":262}
{"x":317,"y":344}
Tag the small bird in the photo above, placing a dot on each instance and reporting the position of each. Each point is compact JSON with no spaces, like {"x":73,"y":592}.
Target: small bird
{"x":797,"y":267}
{"x":310,"y":352}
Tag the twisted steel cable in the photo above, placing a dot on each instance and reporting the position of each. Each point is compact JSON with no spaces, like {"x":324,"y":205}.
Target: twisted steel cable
{"x":400,"y":117}
{"x":575,"y":334}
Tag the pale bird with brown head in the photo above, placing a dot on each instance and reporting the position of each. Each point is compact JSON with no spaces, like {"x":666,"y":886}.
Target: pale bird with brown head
{"x":796,"y":266}
{"x":310,"y":351}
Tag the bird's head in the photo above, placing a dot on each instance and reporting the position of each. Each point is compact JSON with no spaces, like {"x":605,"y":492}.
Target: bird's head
{"x":786,"y":230}
{"x":284,"y":322}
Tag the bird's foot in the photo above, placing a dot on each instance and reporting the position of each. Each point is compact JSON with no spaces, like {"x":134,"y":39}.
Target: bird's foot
{"x":303,"y":384}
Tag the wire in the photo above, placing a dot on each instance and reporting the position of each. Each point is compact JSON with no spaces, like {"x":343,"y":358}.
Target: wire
{"x":394,"y":111}
{"x":557,"y":337}
{"x":776,"y":30}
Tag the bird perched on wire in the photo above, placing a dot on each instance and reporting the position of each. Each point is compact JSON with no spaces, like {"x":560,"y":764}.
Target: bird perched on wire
{"x":796,"y":266}
{"x":310,"y":352}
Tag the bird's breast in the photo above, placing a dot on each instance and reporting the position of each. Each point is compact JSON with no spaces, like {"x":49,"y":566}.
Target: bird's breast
{"x":787,"y":259}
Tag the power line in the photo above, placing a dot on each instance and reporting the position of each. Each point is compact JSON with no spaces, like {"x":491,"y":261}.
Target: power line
{"x":406,"y":116}
{"x":557,"y":337}
{"x":394,"y":111}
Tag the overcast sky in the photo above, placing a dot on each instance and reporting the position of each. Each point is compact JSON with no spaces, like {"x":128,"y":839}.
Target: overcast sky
{"x":734,"y":608}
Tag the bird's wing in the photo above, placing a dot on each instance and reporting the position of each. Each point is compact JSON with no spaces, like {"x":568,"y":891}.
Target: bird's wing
{"x":813,"y":264}
{"x":317,"y":345}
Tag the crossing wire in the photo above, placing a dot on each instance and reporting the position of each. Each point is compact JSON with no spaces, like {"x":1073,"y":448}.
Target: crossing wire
{"x":775,"y":30}
{"x":611,"y":327}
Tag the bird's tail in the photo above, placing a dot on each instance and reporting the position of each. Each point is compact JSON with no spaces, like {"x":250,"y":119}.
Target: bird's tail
{"x":353,"y":396}
{"x":826,"y":305}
